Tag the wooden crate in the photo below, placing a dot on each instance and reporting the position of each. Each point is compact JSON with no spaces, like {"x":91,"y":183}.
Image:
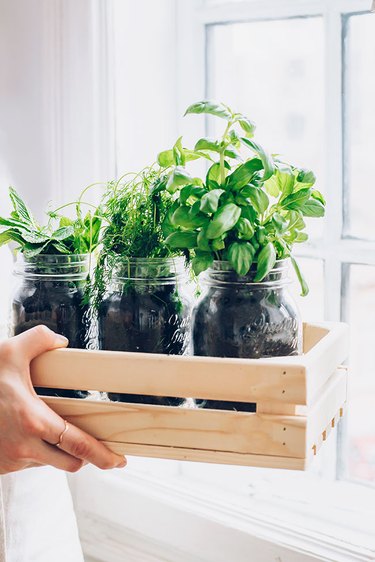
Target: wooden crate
{"x":299,"y":399}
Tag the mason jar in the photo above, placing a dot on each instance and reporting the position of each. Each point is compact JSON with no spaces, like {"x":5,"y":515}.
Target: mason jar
{"x":146,"y":309}
{"x":238,"y":317}
{"x":51,"y":291}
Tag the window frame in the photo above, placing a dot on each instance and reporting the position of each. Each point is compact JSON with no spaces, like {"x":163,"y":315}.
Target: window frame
{"x":336,"y":248}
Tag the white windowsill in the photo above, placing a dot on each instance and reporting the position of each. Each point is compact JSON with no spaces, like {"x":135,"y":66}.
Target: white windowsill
{"x":189,"y":515}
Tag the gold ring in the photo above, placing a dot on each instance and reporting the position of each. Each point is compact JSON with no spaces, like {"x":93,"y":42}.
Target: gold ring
{"x":58,"y":444}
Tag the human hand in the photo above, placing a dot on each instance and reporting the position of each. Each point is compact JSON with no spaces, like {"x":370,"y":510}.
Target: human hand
{"x":29,"y":429}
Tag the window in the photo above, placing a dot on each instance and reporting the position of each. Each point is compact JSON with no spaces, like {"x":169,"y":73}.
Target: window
{"x":287,"y":65}
{"x":301,"y":70}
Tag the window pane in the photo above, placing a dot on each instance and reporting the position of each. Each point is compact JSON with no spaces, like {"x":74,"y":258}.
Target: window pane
{"x":359,"y":312}
{"x":311,"y":306}
{"x":256,"y":68}
{"x":360,"y":125}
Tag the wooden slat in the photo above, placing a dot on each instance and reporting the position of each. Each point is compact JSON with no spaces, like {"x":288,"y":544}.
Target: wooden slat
{"x":246,"y":380}
{"x":325,"y":356}
{"x":216,"y":457}
{"x":187,"y":428}
{"x":286,"y":380}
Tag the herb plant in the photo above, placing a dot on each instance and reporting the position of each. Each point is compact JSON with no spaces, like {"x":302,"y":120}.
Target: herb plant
{"x":137,"y":210}
{"x":61,"y":235}
{"x":247,"y":210}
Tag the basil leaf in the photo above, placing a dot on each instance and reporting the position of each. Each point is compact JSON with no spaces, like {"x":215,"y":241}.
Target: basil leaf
{"x":272,"y":186}
{"x":201,"y":261}
{"x":258,"y":198}
{"x":296,"y":220}
{"x":294,"y":201}
{"x":315,"y":194}
{"x":224,"y":219}
{"x":306,"y":177}
{"x":213,"y":174}
{"x":267,"y":160}
{"x":286,"y":180}
{"x":247,"y":126}
{"x":182,"y":239}
{"x":245,"y":229}
{"x":266,"y":261}
{"x":191,"y":192}
{"x":313,"y":208}
{"x":183,"y":217}
{"x":178,"y":178}
{"x":301,"y":237}
{"x":166,"y":159}
{"x":211,"y":108}
{"x":278,"y":223}
{"x":215,"y":146}
{"x":218,"y":244}
{"x":202,"y":241}
{"x":240,"y":256}
{"x":244,"y":173}
{"x":210,"y":201}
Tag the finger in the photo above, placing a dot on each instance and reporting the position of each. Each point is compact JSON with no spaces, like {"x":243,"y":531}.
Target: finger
{"x":37,"y":340}
{"x":45,"y":454}
{"x":81,"y":445}
{"x":75,"y":441}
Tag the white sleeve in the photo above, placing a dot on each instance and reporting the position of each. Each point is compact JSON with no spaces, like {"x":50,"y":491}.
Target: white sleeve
{"x":38,"y":520}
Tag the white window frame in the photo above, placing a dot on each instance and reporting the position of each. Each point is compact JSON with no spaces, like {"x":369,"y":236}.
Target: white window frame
{"x":279,"y":516}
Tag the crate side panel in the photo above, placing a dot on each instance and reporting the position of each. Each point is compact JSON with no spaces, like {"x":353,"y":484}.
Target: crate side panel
{"x":324,"y":358}
{"x":188,"y":428}
{"x":322,"y":415}
{"x":281,"y":380}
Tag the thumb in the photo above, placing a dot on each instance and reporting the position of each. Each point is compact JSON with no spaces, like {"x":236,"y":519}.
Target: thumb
{"x":37,"y":340}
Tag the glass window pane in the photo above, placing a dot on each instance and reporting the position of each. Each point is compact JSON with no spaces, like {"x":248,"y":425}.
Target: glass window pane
{"x":255,"y":68}
{"x":359,"y":312}
{"x":360,"y":125}
{"x":311,"y":306}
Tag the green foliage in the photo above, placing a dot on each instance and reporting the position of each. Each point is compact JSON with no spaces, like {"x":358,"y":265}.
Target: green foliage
{"x":61,"y":235}
{"x":249,"y":211}
{"x":139,"y":211}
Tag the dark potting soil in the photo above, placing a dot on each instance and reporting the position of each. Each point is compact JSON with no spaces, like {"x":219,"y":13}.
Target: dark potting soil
{"x":244,"y":324}
{"x":153,"y":321}
{"x":57,"y":305}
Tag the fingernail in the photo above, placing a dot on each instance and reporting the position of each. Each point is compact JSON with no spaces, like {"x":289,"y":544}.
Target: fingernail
{"x":122,"y":464}
{"x":61,"y":340}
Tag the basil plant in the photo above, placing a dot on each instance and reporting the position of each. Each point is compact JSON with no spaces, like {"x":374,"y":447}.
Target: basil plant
{"x":250,"y":207}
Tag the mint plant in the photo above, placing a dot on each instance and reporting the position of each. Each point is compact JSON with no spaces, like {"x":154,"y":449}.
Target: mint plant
{"x":61,"y":235}
{"x":248,"y":210}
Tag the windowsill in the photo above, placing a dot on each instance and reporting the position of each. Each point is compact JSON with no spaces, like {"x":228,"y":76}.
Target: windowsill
{"x":331,"y":520}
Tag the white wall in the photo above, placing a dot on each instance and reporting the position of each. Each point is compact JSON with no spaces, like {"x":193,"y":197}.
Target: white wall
{"x":22,"y":136}
{"x":56,"y":126}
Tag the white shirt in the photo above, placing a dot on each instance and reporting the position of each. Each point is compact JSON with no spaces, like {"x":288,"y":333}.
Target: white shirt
{"x":37,"y":520}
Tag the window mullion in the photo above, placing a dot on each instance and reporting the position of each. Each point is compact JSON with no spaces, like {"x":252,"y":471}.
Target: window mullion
{"x":334,"y":163}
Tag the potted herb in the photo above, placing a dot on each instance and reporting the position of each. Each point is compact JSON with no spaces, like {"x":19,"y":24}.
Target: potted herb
{"x":239,"y":225}
{"x":52,"y":267}
{"x":139,"y":281}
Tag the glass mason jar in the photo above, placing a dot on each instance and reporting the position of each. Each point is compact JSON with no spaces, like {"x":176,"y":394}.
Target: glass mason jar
{"x":50,"y":291}
{"x":237,"y":317}
{"x":146,"y":309}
